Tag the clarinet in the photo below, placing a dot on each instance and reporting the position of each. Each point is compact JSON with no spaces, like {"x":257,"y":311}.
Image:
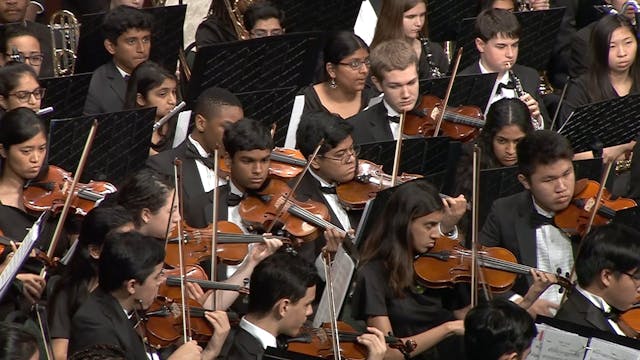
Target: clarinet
{"x":519,"y":90}
{"x":434,"y":70}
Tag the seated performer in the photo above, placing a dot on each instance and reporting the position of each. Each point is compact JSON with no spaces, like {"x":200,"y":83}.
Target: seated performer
{"x":283,"y":288}
{"x":608,"y":279}
{"x":128,"y":39}
{"x":497,"y":36}
{"x":394,"y":71}
{"x":130,"y":272}
{"x":21,"y":45}
{"x":19,"y":87}
{"x":263,"y":19}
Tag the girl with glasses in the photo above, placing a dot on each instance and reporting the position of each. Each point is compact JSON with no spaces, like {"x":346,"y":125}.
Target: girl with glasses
{"x":19,"y":87}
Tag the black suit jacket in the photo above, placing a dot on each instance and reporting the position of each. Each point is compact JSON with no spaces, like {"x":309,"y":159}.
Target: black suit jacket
{"x":580,"y":51}
{"x":106,"y":90}
{"x":579,"y":310}
{"x":530,"y":83}
{"x":101,"y":320}
{"x":371,"y":125}
{"x":240,"y":345}
{"x":198,"y":208}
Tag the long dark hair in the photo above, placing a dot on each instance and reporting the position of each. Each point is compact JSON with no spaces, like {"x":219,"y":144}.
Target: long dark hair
{"x":599,"y":86}
{"x":391,"y":240}
{"x":18,"y":126}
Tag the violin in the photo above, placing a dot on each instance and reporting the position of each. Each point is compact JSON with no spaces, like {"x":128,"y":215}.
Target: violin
{"x":575,"y":218}
{"x":369,"y":180}
{"x":629,"y":322}
{"x":285,"y":163}
{"x":42,"y":195}
{"x":35,"y":252}
{"x":302,"y":219}
{"x":460,"y":123}
{"x":448,"y":263}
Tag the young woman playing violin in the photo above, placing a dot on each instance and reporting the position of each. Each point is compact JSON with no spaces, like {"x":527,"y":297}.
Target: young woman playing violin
{"x":151,"y":85}
{"x":80,"y":277}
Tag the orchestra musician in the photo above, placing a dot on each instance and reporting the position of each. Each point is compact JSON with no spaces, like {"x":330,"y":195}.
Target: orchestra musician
{"x":394,"y":71}
{"x":19,"y":87}
{"x":608,"y":278}
{"x":262,"y":18}
{"x":130,"y":272}
{"x":128,"y":39}
{"x":215,"y":109}
{"x":497,"y":36}
{"x":17,"y":343}
{"x":21,"y":45}
{"x":151,"y":85}
{"x":406,"y":20}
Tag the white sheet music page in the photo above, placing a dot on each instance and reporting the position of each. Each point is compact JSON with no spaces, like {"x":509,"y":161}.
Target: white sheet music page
{"x":556,"y":344}
{"x":605,"y":350}
{"x":341,"y":273}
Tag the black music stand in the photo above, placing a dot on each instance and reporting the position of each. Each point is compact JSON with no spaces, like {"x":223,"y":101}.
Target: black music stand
{"x":325,"y":15}
{"x":270,"y":107}
{"x":605,"y":123}
{"x":166,"y":38}
{"x":467,"y":89}
{"x":444,"y":16}
{"x":121,"y":145}
{"x":66,"y":95}
{"x":272,"y":353}
{"x":272,"y":62}
{"x":538,"y":34}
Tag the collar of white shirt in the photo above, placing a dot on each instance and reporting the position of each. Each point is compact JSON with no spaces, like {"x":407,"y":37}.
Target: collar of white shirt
{"x":390,"y":111}
{"x":122,"y":72}
{"x":201,"y":151}
{"x":596,"y":300}
{"x":265,"y":337}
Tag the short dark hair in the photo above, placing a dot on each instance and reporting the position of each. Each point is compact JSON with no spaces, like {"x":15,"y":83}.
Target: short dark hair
{"x":209,"y":101}
{"x":493,"y":22}
{"x":127,"y":256}
{"x":16,"y":342}
{"x":19,"y":125}
{"x":281,"y":275}
{"x":145,"y":189}
{"x":614,"y":246}
{"x":10,"y":76}
{"x":261,"y":10}
{"x":123,"y":18}
{"x":14,"y":31}
{"x":495,"y":328}
{"x":541,"y":147}
{"x":246,"y":135}
{"x":316,"y":126}
{"x":99,"y":352}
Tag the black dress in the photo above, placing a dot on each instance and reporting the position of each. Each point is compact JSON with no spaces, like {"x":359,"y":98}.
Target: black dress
{"x":419,"y":310}
{"x":312,"y":102}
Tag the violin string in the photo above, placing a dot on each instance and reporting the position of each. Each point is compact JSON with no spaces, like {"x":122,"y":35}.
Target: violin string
{"x":311,"y":217}
{"x":499,"y":263}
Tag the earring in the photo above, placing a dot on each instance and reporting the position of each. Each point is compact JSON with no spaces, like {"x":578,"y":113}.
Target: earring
{"x":332,"y":83}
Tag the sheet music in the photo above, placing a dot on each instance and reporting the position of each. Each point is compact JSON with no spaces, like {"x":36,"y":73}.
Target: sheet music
{"x":182,"y":127}
{"x":605,"y":350}
{"x":556,"y":344}
{"x":341,"y":271}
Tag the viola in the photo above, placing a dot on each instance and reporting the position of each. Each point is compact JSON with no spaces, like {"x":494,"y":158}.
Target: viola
{"x":460,"y":123}
{"x":42,"y":195}
{"x":317,"y":342}
{"x":302,"y":219}
{"x":448,"y":263}
{"x":232,"y":244}
{"x":575,"y":218}
{"x":285,"y":163}
{"x":369,"y":180}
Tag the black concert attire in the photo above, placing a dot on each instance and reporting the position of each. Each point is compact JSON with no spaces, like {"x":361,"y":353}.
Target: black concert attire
{"x":312,"y":102}
{"x":377,"y":123}
{"x":586,"y":309}
{"x":247,"y":342}
{"x":419,"y":310}
{"x":107,"y":90}
{"x":438,"y":58}
{"x":580,"y":51}
{"x":211,"y":31}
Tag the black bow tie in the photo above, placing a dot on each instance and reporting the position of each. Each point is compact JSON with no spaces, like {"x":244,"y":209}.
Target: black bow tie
{"x":328,"y":189}
{"x":510,"y":85}
{"x":538,"y":220}
{"x":613,"y":314}
{"x":394,"y":119}
{"x":192,"y":153}
{"x":234,"y":199}
{"x":126,"y":78}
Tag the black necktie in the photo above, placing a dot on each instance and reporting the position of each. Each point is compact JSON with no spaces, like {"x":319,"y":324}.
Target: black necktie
{"x":538,"y":220}
{"x":328,"y":189}
{"x":234,"y":199}
{"x":510,"y":85}
{"x":192,"y":153}
{"x":394,"y":119}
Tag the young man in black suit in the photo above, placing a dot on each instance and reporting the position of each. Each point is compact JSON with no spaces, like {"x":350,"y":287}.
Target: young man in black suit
{"x":497,"y":40}
{"x":283,"y":288}
{"x":523,"y":223}
{"x":127,"y":34}
{"x":130,"y":271}
{"x":394,"y":71}
{"x":215,"y":109}
{"x":608,"y":274}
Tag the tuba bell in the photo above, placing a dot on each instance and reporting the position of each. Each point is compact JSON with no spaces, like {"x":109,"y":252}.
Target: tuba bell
{"x":65,"y":33}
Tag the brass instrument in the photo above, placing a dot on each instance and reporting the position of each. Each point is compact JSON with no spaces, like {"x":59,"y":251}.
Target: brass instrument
{"x":523,"y":5}
{"x":235,"y":15}
{"x":64,"y":28}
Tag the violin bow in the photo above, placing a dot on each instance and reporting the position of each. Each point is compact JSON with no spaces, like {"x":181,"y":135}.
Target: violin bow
{"x":214,"y":224}
{"x":43,"y":326}
{"x":398,"y":150}
{"x":335,"y":336}
{"x":477,"y":276}
{"x":67,"y":203}
{"x":446,"y":96}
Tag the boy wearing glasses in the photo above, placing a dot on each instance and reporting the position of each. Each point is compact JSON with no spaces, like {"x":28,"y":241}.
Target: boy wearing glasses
{"x":394,"y":71}
{"x":263,"y":19}
{"x":608,"y":278}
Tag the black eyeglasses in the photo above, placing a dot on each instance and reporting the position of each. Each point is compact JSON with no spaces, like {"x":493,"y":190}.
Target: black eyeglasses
{"x":355,"y":64}
{"x":34,"y":59}
{"x":635,"y":276}
{"x":24,"y":96}
{"x":259,"y":33}
{"x":344,"y":158}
